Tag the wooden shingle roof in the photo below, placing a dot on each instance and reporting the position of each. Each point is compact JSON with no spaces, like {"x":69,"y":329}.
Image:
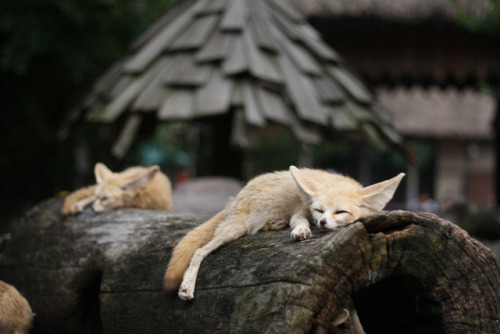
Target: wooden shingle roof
{"x":400,"y":10}
{"x":440,"y":113}
{"x":257,"y":57}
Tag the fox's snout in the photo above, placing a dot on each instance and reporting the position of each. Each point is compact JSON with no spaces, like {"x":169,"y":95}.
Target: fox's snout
{"x":325,"y":224}
{"x":328,"y":224}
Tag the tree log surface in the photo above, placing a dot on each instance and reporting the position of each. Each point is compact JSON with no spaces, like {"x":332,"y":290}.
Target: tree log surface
{"x":403,"y":272}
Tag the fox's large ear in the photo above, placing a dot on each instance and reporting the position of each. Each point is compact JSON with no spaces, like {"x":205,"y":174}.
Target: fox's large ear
{"x":376,"y":196}
{"x":143,"y":179}
{"x":307,"y":187}
{"x":101,"y":172}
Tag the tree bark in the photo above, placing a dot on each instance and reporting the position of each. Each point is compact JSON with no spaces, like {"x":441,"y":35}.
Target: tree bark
{"x":403,"y":273}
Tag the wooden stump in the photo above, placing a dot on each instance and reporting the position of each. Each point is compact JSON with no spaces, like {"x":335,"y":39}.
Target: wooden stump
{"x":403,"y":273}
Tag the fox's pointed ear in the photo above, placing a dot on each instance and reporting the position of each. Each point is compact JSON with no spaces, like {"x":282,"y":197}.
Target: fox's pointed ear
{"x":307,"y":187}
{"x":143,"y":179}
{"x":101,"y":172}
{"x":376,"y":196}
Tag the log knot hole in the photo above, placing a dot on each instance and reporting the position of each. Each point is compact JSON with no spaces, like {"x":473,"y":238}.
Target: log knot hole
{"x":398,"y":304}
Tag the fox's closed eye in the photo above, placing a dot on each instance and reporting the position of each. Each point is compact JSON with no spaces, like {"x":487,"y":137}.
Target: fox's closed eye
{"x":319,"y":211}
{"x":340,"y":212}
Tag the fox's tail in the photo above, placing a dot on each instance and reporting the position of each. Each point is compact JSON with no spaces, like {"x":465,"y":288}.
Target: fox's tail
{"x":184,"y":251}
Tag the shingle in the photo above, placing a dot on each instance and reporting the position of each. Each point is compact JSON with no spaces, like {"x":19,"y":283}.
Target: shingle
{"x":302,"y":93}
{"x":184,"y":71}
{"x":195,"y":34}
{"x":217,"y":48}
{"x":273,"y":105}
{"x":126,"y":136}
{"x":350,"y":83}
{"x":283,"y":6}
{"x":287,"y":27}
{"x":179,"y":104}
{"x":235,"y":17}
{"x":300,"y":57}
{"x":263,"y":64}
{"x":373,"y":136}
{"x":328,"y":90}
{"x":260,"y":25}
{"x":162,"y":23}
{"x":151,"y":97}
{"x":210,"y":6}
{"x":121,"y":82}
{"x":252,"y":112}
{"x":316,"y":46}
{"x":341,"y":118}
{"x":237,"y":61}
{"x":214,"y":97}
{"x":153,"y":48}
{"x":126,"y":96}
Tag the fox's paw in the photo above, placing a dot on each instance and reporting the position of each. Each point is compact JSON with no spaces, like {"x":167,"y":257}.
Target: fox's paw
{"x":301,"y":233}
{"x":76,"y":208}
{"x":185,"y":293}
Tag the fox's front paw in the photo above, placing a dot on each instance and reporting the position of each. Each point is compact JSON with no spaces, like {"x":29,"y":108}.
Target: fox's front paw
{"x":185,"y":293}
{"x":76,"y":208}
{"x":301,"y":233}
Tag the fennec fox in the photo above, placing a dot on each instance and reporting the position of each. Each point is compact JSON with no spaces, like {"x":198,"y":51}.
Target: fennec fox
{"x":15,"y":312}
{"x":135,"y":187}
{"x":272,"y":201}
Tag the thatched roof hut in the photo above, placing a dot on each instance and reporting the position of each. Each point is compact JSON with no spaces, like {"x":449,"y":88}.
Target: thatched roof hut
{"x":258,"y":60}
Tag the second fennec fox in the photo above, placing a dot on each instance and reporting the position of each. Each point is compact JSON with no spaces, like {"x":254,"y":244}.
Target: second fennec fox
{"x":272,"y":201}
{"x":16,"y":316}
{"x":135,"y":187}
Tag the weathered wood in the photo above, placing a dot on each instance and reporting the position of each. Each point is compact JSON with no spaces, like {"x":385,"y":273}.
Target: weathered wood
{"x":404,"y":272}
{"x":178,"y":105}
{"x":184,"y":71}
{"x":215,"y":96}
{"x":236,"y":16}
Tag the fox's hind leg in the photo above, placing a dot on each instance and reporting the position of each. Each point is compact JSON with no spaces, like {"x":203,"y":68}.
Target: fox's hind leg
{"x":226,"y":232}
{"x":275,"y":225}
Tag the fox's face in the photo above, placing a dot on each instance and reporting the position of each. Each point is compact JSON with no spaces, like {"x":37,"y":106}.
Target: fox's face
{"x":329,"y":214}
{"x":109,"y":196}
{"x":336,"y":200}
{"x":115,"y":190}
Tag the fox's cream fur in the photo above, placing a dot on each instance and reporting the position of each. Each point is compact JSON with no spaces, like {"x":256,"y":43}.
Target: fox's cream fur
{"x":135,"y":187}
{"x":273,"y":201}
{"x":16,"y":316}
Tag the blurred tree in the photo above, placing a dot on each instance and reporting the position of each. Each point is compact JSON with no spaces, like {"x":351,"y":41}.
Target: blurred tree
{"x":50,"y":52}
{"x":489,"y":22}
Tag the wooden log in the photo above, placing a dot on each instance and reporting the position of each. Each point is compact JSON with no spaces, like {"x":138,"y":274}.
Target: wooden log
{"x":402,"y":272}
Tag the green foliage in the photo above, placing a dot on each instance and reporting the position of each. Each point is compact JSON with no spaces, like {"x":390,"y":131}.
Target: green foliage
{"x":489,"y":22}
{"x":50,"y":53}
{"x":272,"y":148}
{"x":338,"y":155}
{"x":173,"y":146}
